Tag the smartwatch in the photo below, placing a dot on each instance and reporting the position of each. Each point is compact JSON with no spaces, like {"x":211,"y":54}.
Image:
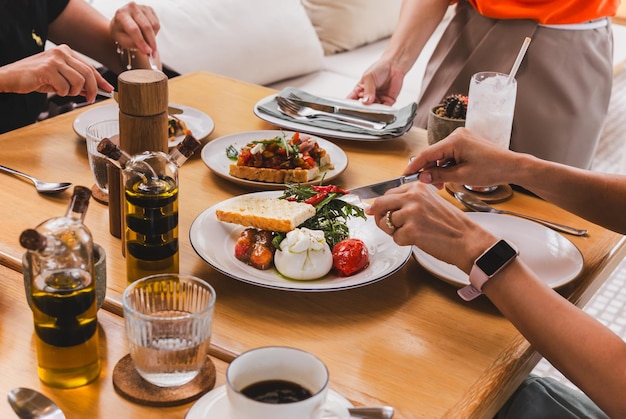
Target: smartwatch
{"x":486,"y":266}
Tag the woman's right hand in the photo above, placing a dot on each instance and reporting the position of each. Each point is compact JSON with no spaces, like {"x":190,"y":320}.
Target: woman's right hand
{"x":476,"y":161}
{"x":57,"y":70}
{"x":381,"y":83}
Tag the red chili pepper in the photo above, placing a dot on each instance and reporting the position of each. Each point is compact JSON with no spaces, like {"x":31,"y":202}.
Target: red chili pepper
{"x":317,"y":198}
{"x":330,"y":188}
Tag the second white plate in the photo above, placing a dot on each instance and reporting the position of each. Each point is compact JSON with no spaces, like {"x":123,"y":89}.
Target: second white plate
{"x":296,"y":126}
{"x":554,"y":258}
{"x":214,"y":155}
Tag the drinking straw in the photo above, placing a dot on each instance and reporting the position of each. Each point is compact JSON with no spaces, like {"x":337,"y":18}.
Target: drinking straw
{"x":518,"y":60}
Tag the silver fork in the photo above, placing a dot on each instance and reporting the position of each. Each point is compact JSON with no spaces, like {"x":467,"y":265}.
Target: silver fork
{"x":302,"y":112}
{"x":152,"y":64}
{"x":369,"y":115}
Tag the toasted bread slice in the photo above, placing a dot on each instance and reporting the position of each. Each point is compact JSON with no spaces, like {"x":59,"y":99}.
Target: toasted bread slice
{"x":265,"y":213}
{"x":274,"y":175}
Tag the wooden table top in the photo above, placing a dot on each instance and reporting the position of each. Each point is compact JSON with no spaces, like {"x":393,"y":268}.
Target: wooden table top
{"x":407,"y":341}
{"x":18,"y":363}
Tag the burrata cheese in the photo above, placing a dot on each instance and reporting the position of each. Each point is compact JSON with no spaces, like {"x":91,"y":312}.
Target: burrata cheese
{"x":303,"y":254}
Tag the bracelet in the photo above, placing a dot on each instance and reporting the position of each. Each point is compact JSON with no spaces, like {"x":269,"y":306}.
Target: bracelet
{"x":126,"y":55}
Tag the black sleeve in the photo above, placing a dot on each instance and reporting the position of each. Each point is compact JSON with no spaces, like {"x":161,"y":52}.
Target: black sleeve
{"x":55,"y":8}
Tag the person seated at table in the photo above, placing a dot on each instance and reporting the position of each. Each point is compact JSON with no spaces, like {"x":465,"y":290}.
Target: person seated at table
{"x":28,"y":72}
{"x":585,"y":351}
{"x":563,"y":93}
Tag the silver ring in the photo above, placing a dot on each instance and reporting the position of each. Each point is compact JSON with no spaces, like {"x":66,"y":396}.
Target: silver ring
{"x":388,"y":220}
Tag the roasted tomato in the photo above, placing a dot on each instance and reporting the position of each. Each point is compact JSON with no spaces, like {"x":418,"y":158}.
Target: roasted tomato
{"x":255,"y":248}
{"x":350,"y":256}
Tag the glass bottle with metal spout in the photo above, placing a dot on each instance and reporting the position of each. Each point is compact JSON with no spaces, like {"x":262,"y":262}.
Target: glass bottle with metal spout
{"x":60,"y":252}
{"x":151,"y":206}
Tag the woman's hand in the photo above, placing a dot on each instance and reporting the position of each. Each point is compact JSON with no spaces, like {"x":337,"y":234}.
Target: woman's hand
{"x":135,"y":26}
{"x":57,"y":70}
{"x":381,"y":83}
{"x":420,"y":217}
{"x":475,"y":161}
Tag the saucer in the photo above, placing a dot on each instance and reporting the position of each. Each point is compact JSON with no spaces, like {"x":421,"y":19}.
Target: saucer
{"x":214,"y":404}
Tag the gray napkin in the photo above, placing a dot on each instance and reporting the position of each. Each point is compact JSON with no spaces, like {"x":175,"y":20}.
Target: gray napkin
{"x":403,"y":122}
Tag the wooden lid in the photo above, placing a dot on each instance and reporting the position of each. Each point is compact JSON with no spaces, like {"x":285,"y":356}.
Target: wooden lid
{"x":142,"y":92}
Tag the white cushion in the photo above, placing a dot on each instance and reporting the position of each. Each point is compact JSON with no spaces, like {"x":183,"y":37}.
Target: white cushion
{"x":343,"y":25}
{"x":255,"y":41}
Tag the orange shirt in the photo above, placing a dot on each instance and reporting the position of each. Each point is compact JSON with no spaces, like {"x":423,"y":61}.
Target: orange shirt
{"x":549,"y":12}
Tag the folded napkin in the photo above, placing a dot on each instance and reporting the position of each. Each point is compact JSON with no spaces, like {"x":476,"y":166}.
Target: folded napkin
{"x":403,"y":122}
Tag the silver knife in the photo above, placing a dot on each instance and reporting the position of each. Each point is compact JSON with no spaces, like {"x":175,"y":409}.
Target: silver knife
{"x":363,"y":114}
{"x":378,"y":189}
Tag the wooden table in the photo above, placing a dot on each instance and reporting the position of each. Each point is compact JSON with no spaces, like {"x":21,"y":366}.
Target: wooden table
{"x":18,"y":363}
{"x":406,"y":341}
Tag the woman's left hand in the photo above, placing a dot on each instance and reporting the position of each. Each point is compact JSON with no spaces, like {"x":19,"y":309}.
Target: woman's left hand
{"x":414,"y":214}
{"x":135,"y":26}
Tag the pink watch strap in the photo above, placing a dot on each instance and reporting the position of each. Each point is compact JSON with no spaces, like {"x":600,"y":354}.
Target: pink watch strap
{"x":477,"y":279}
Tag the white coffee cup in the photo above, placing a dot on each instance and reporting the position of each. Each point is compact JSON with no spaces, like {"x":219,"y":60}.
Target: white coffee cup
{"x":285,"y":364}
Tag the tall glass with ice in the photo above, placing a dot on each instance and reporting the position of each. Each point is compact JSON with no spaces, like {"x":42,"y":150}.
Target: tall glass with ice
{"x":490,"y":109}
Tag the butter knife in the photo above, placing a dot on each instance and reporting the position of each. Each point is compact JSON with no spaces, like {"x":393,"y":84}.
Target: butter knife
{"x":378,"y":189}
{"x":171,"y":110}
{"x":363,"y":114}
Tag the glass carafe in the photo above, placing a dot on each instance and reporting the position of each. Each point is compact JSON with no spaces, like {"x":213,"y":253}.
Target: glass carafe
{"x":150,"y":182}
{"x":60,"y":254}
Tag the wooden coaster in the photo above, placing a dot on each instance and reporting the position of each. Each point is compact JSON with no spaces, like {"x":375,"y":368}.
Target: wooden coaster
{"x":503,"y":193}
{"x":99,"y":196}
{"x":129,"y":384}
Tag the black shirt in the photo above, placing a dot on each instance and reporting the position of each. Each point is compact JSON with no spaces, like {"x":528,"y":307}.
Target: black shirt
{"x":23,"y":32}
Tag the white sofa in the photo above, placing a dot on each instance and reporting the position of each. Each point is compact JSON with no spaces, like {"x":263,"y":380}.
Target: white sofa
{"x":321,"y":46}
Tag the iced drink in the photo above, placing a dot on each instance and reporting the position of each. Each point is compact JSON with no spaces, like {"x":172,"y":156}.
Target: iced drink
{"x":491,"y":103}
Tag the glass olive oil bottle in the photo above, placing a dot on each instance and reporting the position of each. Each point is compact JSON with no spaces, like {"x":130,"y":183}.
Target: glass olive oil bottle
{"x":150,"y":206}
{"x":60,"y":252}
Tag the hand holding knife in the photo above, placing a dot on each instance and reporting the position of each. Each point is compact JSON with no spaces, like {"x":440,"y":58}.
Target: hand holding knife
{"x":378,"y":189}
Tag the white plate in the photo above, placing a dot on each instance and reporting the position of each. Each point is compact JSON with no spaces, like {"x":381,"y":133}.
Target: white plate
{"x":206,"y":235}
{"x":214,"y":156}
{"x":199,"y":123}
{"x":549,"y":254}
{"x":296,"y":126}
{"x":214,"y":404}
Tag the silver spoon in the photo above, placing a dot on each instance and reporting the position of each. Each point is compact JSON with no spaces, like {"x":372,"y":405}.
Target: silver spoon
{"x":476,"y":204}
{"x":382,"y":412}
{"x":42,"y":187}
{"x":31,"y":404}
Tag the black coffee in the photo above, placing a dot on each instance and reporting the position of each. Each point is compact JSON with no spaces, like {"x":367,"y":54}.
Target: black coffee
{"x":276,"y":392}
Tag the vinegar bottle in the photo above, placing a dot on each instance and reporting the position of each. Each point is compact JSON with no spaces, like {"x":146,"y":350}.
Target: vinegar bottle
{"x":150,"y":183}
{"x":60,"y":252}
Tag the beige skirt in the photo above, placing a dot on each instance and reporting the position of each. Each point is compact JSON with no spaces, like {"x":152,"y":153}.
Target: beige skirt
{"x":564,"y":82}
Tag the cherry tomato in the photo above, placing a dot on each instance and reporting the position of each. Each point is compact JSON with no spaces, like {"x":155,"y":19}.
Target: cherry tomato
{"x":350,"y":256}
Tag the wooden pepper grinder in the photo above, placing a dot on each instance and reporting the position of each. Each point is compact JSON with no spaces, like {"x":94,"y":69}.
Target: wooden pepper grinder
{"x":143,"y":101}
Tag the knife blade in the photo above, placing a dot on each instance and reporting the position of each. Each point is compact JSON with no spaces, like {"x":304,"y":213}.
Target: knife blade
{"x":378,"y":189}
{"x":171,"y":110}
{"x":363,"y":114}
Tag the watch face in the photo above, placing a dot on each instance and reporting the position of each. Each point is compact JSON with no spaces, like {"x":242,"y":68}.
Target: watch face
{"x":496,"y":257}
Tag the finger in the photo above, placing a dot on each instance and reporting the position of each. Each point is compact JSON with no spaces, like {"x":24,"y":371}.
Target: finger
{"x":368,"y":96}
{"x":147,"y":23}
{"x":356,"y":93}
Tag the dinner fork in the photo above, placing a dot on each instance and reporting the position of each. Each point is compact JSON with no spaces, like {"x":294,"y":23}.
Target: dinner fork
{"x":302,"y":112}
{"x":366,"y":114}
{"x":152,"y":64}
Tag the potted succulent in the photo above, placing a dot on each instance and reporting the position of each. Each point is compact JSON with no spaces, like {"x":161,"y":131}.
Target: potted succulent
{"x":446,"y":117}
